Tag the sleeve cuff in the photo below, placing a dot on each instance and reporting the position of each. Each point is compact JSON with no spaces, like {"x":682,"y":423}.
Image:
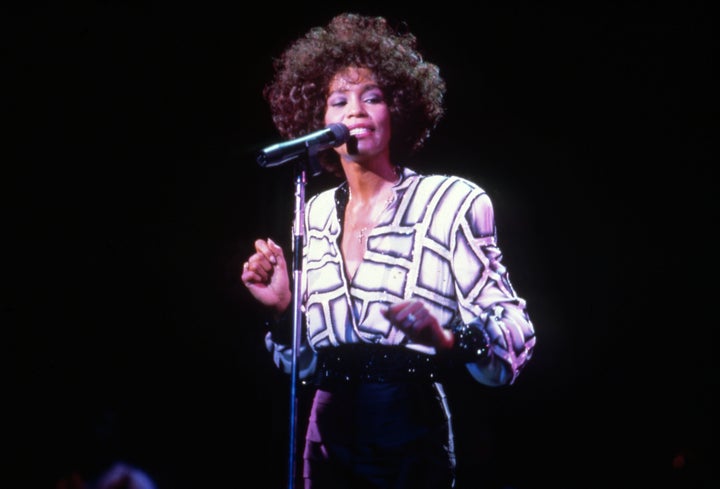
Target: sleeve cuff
{"x":472,"y":343}
{"x":281,"y":329}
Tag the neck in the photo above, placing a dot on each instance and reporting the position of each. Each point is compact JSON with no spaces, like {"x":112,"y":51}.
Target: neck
{"x":367,"y":186}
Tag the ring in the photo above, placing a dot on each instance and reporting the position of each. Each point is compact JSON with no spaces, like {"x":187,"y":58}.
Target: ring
{"x":411,"y":317}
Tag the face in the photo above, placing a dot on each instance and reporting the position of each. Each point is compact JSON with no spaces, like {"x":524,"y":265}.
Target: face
{"x":354,"y":99}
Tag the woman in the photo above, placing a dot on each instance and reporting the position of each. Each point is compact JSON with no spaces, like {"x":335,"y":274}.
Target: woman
{"x":401,"y":271}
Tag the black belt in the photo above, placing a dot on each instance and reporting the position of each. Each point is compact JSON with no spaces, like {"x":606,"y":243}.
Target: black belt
{"x":371,"y":363}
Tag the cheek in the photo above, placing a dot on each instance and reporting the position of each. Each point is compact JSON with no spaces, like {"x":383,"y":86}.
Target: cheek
{"x":386,"y":125}
{"x":382,"y":117}
{"x":331,"y":116}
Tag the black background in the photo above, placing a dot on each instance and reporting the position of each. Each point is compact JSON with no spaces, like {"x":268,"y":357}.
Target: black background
{"x":131,"y":194}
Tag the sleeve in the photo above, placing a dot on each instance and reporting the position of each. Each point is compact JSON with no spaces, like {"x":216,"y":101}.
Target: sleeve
{"x":491,"y":312}
{"x":278,"y":341}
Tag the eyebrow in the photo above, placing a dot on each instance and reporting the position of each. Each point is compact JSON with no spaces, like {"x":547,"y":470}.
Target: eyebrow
{"x":365,"y":88}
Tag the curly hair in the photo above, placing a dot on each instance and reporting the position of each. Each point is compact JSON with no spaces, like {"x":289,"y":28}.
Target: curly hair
{"x":413,"y":88}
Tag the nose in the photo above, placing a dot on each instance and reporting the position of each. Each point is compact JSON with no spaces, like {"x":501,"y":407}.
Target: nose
{"x":355,"y":107}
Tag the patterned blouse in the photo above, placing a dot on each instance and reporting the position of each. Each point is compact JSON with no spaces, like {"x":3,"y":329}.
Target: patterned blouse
{"x":435,"y":242}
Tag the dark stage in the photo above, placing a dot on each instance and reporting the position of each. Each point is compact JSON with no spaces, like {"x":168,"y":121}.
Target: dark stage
{"x":131,"y":195}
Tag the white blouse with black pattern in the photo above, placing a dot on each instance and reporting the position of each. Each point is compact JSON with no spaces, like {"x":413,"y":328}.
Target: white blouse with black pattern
{"x":436,"y":242}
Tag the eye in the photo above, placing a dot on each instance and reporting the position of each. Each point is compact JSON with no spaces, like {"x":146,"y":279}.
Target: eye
{"x":373,"y":100}
{"x":337,"y":101}
{"x":373,"y":97}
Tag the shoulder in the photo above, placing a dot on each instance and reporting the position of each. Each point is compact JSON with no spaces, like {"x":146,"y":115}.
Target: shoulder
{"x":322,"y":197}
{"x":323,"y":203}
{"x":454,"y":182}
{"x":451,"y":186}
{"x":452,"y":194}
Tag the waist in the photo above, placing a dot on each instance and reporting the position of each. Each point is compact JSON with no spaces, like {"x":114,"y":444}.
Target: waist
{"x":370,"y":363}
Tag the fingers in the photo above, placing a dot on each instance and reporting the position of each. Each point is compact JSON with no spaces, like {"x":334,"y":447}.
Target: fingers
{"x":259,"y":266}
{"x":406,"y":313}
{"x":415,"y":320}
{"x":267,"y":250}
{"x":413,"y":317}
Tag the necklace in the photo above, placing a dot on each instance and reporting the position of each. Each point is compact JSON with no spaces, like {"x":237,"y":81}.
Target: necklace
{"x":363,"y":232}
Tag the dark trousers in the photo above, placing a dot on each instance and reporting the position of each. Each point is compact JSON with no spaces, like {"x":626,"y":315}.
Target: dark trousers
{"x":379,"y":436}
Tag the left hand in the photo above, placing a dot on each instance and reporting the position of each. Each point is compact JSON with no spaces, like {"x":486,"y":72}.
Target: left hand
{"x":413,"y":319}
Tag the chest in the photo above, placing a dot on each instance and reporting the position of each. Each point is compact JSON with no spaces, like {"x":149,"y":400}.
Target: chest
{"x":358,"y":224}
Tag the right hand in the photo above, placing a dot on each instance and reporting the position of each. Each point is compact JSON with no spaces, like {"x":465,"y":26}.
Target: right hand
{"x":265,"y":274}
{"x":419,"y":325}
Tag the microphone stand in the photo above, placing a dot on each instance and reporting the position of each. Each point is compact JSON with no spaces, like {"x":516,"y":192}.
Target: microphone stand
{"x":309,"y":159}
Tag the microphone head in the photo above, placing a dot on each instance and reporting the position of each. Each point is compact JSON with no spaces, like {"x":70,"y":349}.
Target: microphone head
{"x":329,"y":137}
{"x":340,"y":131}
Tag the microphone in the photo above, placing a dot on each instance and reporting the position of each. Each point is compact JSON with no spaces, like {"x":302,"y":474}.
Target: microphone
{"x":333,"y":135}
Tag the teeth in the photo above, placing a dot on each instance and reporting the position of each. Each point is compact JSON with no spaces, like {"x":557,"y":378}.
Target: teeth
{"x":359,"y":130}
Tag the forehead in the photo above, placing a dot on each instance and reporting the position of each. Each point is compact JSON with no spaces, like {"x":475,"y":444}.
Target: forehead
{"x":351,"y":76}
